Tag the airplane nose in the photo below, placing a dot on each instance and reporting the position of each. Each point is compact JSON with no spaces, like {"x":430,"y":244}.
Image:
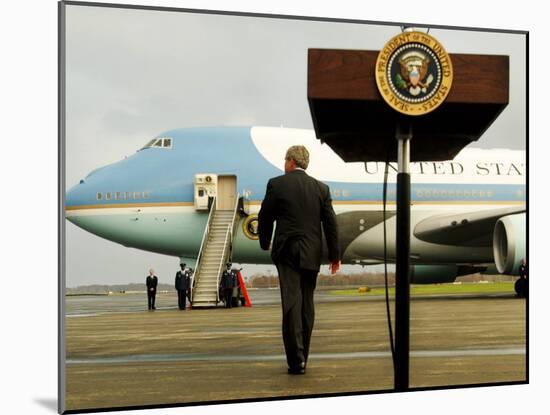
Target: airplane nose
{"x":79,"y":199}
{"x":71,"y":202}
{"x":69,"y":197}
{"x":73,"y":196}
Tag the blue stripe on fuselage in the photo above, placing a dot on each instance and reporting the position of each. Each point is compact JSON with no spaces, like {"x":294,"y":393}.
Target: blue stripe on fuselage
{"x":167,"y":174}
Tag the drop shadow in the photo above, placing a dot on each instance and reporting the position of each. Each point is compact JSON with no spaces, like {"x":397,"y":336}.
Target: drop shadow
{"x":48,"y":403}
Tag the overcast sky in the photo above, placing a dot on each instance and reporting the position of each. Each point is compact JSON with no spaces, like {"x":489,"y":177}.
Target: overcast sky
{"x":132,"y":74}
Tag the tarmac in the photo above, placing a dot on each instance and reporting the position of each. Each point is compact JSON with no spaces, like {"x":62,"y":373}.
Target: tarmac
{"x":168,"y":356}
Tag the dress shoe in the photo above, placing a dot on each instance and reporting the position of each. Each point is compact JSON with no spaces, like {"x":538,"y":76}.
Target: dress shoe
{"x":297,"y":370}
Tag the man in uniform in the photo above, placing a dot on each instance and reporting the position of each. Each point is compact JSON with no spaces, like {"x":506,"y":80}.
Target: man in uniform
{"x":300,"y":205}
{"x":521,"y":284}
{"x":182,"y":286}
{"x":227,"y":284}
{"x":151,"y":282}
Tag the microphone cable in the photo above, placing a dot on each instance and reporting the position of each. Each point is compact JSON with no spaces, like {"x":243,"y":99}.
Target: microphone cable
{"x":388,"y":312}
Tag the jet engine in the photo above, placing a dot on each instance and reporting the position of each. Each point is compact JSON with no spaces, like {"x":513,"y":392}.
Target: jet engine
{"x":433,"y":274}
{"x":509,"y":243}
{"x":439,"y":274}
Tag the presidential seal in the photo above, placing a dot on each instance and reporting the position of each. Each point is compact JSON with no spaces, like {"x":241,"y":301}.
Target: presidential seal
{"x":414,"y":73}
{"x":250,"y":227}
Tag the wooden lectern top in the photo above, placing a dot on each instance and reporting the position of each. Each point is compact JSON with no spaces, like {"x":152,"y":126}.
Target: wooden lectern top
{"x":350,"y":115}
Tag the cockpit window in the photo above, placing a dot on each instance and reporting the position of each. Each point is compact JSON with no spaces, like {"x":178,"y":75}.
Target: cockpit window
{"x":149,"y":144}
{"x":159,"y":142}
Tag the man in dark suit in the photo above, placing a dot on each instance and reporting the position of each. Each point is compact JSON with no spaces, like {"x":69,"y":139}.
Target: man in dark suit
{"x":300,"y":205}
{"x":521,"y":285}
{"x":523,"y":269}
{"x":151,"y":282}
{"x":227,"y":285}
{"x":182,"y":286}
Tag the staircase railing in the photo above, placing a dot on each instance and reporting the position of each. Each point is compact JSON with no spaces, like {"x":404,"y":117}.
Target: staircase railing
{"x":204,"y":242}
{"x":227,"y":245}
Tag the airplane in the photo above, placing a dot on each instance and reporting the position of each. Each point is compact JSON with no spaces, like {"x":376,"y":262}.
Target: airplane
{"x":467,"y":215}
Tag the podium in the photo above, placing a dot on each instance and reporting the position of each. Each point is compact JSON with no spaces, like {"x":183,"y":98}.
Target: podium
{"x":350,"y":115}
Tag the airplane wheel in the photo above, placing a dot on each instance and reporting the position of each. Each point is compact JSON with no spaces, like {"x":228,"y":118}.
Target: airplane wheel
{"x":521,"y":287}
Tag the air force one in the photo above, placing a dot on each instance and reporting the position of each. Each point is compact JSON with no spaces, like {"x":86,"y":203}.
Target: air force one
{"x":195,"y":193}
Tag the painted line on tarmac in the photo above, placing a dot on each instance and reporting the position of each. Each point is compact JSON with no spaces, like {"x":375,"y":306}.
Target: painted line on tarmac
{"x":187,"y":357}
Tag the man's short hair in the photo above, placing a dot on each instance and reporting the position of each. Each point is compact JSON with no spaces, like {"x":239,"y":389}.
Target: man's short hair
{"x":299,"y":154}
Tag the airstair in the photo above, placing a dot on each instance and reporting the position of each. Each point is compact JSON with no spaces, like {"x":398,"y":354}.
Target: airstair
{"x":215,"y":252}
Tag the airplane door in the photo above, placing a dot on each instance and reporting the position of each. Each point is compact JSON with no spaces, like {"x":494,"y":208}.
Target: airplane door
{"x":205,"y":189}
{"x":227,"y":190}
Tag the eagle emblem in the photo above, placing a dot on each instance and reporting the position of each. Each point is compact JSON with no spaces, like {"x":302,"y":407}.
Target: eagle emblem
{"x":414,"y":75}
{"x":250,"y":227}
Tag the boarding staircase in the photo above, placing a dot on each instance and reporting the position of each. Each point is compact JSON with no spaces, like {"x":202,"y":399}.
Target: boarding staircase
{"x":215,"y":252}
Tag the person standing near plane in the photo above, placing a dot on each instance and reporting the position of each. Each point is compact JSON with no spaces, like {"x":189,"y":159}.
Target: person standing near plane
{"x":300,"y":205}
{"x":521,"y":285}
{"x":182,"y":286}
{"x":151,"y":282}
{"x":523,"y":269}
{"x":189,"y":281}
{"x":227,"y":284}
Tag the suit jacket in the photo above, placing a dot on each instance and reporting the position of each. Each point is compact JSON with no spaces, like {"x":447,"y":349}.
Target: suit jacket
{"x":151,"y":282}
{"x":300,"y":205}
{"x":228,"y":279}
{"x":182,"y":280}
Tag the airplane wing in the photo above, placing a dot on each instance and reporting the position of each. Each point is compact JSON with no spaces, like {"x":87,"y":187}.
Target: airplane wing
{"x":463,"y":229}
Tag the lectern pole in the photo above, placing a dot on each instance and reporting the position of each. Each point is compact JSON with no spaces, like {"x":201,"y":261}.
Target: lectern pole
{"x":401,"y":366}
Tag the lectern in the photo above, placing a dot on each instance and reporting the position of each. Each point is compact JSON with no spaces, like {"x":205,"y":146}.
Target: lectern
{"x":368,"y":105}
{"x":350,"y":115}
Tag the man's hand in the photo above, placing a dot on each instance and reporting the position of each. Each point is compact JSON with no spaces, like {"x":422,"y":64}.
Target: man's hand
{"x":335,"y":266}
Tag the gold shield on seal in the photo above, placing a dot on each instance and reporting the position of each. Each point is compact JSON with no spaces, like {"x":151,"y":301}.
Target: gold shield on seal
{"x":414,"y":73}
{"x":250,"y":227}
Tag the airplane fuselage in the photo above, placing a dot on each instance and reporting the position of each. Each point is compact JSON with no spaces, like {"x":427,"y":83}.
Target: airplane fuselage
{"x":149,"y":200}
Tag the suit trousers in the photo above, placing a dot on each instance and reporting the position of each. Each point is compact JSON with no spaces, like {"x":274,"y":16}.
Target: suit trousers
{"x":297,"y":287}
{"x":182,"y":296}
{"x":227,"y":295}
{"x":151,"y":298}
